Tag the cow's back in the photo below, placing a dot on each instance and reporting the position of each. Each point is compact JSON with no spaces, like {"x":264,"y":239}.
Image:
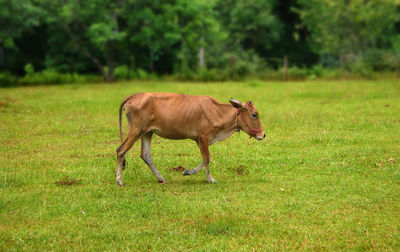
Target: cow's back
{"x":174,"y":116}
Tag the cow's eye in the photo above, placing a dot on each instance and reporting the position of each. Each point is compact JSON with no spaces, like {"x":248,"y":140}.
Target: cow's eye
{"x":254,"y":115}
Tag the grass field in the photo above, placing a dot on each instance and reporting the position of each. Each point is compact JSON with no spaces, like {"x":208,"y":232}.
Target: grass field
{"x":327,"y":178}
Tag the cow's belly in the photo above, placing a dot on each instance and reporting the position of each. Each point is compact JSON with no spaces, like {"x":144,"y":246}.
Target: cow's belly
{"x":173,"y":134}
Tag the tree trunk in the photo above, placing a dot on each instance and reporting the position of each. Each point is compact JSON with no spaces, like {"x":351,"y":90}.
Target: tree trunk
{"x":110,"y":74}
{"x":201,"y":56}
{"x":285,"y":68}
{"x":109,"y":55}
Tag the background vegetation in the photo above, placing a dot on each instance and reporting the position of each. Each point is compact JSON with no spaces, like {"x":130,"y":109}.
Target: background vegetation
{"x":326,"y":178}
{"x":47,"y":41}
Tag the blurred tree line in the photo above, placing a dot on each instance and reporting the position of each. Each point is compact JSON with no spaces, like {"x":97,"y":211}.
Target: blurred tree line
{"x":136,"y":38}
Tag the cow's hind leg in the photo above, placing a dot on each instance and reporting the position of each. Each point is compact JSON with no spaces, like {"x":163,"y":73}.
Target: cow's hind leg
{"x":193,"y":171}
{"x":146,"y":156}
{"x":132,"y":137}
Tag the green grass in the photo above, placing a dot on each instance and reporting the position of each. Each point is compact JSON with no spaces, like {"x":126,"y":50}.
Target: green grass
{"x":321,"y":181}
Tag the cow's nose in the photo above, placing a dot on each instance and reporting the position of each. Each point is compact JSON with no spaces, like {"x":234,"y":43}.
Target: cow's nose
{"x":260,"y":137}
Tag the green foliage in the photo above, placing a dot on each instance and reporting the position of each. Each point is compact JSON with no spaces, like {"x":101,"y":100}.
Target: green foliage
{"x":326,"y":179}
{"x":142,"y":74}
{"x":236,"y":38}
{"x":396,"y":43}
{"x":209,"y":75}
{"x":6,"y":79}
{"x":297,"y":73}
{"x":250,"y":23}
{"x":380,"y":60}
{"x":122,"y":73}
{"x":29,"y":70}
{"x":92,"y":27}
{"x":51,"y":77}
{"x":348,"y":29}
{"x":17,"y":17}
{"x":316,"y":71}
{"x":271,"y":74}
{"x":360,"y":67}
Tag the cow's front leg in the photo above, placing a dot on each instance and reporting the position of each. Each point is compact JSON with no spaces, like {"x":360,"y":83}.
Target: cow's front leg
{"x":193,"y":171}
{"x":205,"y":154}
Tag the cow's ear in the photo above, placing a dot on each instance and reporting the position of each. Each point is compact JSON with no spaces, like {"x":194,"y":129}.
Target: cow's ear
{"x":235,"y":103}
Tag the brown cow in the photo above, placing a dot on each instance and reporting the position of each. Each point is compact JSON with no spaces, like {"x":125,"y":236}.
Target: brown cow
{"x":178,"y":116}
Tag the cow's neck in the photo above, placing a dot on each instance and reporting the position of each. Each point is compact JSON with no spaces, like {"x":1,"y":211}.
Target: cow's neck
{"x":229,"y":116}
{"x":228,"y":124}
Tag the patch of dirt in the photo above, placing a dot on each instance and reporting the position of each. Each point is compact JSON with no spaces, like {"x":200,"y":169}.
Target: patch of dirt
{"x":184,"y":155}
{"x":179,"y":168}
{"x":69,"y":181}
{"x":240,"y":170}
{"x":104,"y":155}
{"x":177,"y":154}
{"x":4,"y":104}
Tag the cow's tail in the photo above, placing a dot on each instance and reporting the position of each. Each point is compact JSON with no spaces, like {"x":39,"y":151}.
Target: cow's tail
{"x":120,"y":116}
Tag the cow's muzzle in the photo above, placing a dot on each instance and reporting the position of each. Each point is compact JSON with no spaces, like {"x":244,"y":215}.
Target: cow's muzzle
{"x":260,"y":136}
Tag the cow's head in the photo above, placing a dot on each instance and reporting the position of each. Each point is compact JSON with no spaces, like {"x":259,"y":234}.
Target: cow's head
{"x":247,"y":119}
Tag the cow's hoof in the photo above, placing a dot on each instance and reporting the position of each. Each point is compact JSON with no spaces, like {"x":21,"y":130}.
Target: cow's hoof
{"x":161,"y":182}
{"x":211,"y":180}
{"x":120,"y":183}
{"x":187,"y":172}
